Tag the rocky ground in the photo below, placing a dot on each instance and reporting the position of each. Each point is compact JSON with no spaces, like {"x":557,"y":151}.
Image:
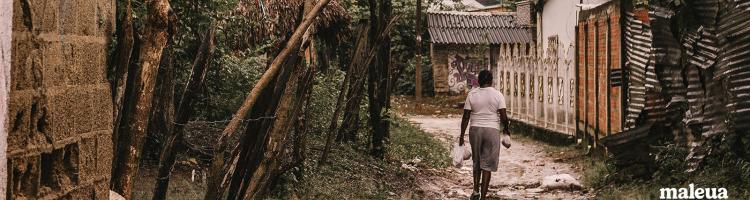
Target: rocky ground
{"x":520,"y":173}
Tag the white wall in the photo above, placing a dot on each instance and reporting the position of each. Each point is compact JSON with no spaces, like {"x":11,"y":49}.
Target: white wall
{"x":559,"y":17}
{"x":6,"y":19}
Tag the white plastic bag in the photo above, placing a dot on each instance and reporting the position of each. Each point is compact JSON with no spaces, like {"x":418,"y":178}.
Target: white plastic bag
{"x":505,"y":140}
{"x":459,"y":154}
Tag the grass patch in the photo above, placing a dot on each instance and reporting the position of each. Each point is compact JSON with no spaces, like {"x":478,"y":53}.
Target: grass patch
{"x":353,"y":174}
{"x":438,"y":105}
{"x":181,"y":185}
{"x":408,"y":143}
{"x":598,"y":173}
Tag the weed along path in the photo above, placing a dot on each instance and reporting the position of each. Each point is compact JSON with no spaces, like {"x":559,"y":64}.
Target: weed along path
{"x":520,"y":172}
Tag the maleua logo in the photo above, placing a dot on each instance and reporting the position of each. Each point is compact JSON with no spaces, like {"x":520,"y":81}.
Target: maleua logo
{"x":693,"y":193}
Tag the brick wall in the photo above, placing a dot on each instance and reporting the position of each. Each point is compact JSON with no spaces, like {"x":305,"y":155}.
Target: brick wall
{"x":60,"y":109}
{"x":600,"y":105}
{"x":591,"y":75}
{"x":582,"y":40}
{"x":523,"y":13}
{"x":617,"y":114}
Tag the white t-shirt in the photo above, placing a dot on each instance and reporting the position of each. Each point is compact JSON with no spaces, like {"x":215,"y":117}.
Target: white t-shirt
{"x":484,"y":103}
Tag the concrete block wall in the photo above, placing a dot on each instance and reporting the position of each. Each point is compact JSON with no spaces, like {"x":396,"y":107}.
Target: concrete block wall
{"x":6,"y":17}
{"x":60,"y":108}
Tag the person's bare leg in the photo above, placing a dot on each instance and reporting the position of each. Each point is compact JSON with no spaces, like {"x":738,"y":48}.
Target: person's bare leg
{"x":477,"y":177}
{"x":485,"y":182}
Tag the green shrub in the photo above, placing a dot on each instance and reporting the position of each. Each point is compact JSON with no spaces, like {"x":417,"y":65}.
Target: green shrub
{"x":671,"y":164}
{"x":408,"y":142}
{"x":227,"y":84}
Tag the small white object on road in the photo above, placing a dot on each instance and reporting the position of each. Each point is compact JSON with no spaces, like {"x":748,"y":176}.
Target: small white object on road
{"x":560,"y":181}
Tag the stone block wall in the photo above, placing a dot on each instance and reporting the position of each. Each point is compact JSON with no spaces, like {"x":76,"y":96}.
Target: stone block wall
{"x":60,"y":109}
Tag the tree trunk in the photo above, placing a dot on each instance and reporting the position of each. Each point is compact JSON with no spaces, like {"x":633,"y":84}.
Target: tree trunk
{"x":276,"y":140}
{"x":162,"y":111}
{"x":350,"y":121}
{"x":119,"y":67}
{"x":213,"y":191}
{"x":184,"y":112}
{"x":378,"y":84}
{"x":418,"y":60}
{"x":300,"y":130}
{"x":131,"y":141}
{"x":357,"y":69}
{"x":118,"y":71}
{"x":250,"y":150}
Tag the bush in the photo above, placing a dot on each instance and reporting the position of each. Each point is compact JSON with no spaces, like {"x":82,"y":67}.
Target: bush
{"x":323,"y":100}
{"x":405,"y":82}
{"x":671,"y":164}
{"x":227,"y":85}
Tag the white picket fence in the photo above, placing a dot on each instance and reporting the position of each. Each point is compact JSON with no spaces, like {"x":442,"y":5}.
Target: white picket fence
{"x":539,"y":86}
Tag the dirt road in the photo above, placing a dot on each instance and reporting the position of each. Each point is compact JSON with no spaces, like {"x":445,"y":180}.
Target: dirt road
{"x":521,"y":169}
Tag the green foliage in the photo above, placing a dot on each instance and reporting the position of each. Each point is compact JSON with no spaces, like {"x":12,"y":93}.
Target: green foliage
{"x":403,"y":40}
{"x":404,"y":46}
{"x":353,"y":174}
{"x":672,"y":165}
{"x":729,"y":172}
{"x":717,"y":171}
{"x":323,"y":100}
{"x":228,"y":84}
{"x":234,"y":68}
{"x":405,"y":82}
{"x":350,"y":175}
{"x":408,"y":143}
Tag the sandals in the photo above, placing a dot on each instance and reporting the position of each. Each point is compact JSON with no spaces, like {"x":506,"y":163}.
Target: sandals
{"x":476,"y":196}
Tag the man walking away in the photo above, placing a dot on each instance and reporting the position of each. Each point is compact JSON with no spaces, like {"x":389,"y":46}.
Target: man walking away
{"x":485,"y":106}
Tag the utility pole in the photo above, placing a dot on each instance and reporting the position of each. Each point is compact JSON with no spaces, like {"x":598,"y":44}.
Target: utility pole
{"x":418,"y":65}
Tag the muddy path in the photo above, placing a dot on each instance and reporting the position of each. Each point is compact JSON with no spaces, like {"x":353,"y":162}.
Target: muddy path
{"x":520,"y":172}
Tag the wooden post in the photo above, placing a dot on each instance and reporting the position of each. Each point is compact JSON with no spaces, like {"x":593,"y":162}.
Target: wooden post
{"x":418,"y":64}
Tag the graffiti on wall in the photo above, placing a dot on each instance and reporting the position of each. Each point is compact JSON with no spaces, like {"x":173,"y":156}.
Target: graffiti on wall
{"x":463,"y":73}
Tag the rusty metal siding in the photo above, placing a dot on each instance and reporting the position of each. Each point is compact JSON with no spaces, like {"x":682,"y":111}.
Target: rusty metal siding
{"x":637,"y":59}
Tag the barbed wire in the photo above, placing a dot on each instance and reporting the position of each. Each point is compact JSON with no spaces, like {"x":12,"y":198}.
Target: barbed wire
{"x":226,"y":120}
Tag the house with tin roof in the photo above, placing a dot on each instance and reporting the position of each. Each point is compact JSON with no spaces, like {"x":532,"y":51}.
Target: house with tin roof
{"x":464,"y":43}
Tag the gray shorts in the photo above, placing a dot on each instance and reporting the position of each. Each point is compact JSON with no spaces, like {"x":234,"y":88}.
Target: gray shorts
{"x":485,"y":147}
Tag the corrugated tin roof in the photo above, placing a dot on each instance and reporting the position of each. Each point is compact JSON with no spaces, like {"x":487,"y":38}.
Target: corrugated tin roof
{"x":475,"y":28}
